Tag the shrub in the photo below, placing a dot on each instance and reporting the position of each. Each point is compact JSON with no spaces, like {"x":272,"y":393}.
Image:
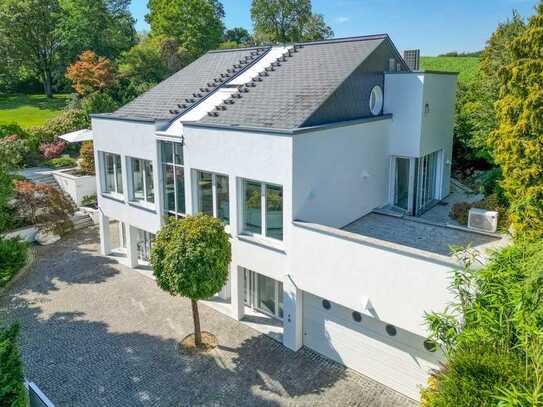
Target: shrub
{"x":61,"y":162}
{"x":69,"y":120}
{"x":98,"y":103}
{"x":12,"y":388}
{"x":86,"y":162}
{"x":460,"y":210}
{"x":6,"y":194}
{"x":43,"y":206}
{"x":89,"y":200}
{"x":52,"y":150}
{"x":11,"y":129}
{"x":13,"y":150}
{"x":12,"y":258}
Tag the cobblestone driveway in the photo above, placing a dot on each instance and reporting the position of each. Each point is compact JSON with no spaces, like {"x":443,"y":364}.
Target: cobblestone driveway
{"x":95,"y":333}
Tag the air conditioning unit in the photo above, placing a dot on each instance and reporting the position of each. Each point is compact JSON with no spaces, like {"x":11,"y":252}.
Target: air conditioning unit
{"x":481,"y":219}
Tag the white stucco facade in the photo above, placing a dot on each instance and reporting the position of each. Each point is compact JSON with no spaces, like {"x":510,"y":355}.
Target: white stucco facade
{"x":329,"y":176}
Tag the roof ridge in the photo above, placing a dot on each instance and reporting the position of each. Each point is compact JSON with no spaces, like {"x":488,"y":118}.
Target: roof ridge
{"x":245,"y":88}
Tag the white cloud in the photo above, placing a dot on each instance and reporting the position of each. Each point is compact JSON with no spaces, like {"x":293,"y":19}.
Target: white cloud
{"x":342,"y":19}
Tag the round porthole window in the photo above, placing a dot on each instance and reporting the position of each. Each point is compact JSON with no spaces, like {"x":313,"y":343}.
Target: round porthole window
{"x":326,"y":304}
{"x":357,"y":316}
{"x":376,"y":100}
{"x":430,"y":345}
{"x":391,"y":330}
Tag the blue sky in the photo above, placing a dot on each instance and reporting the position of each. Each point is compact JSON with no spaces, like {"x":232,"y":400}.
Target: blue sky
{"x":434,"y":26}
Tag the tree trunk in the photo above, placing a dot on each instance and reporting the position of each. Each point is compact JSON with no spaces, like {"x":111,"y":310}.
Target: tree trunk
{"x":196,"y":317}
{"x":47,"y":85}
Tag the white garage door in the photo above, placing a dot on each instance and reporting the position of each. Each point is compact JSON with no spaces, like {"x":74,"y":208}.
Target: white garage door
{"x":389,"y":355}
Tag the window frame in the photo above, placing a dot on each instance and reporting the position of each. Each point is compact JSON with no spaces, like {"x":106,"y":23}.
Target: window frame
{"x":143,"y":167}
{"x":118,"y":192}
{"x":214,"y":193}
{"x":263,"y":210}
{"x":174,"y":166}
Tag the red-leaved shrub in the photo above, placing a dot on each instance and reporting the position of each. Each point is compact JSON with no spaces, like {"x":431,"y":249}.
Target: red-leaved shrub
{"x":43,"y":206}
{"x":52,"y":150}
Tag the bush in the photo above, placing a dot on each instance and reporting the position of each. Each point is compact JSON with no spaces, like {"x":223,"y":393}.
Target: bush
{"x":98,"y":103}
{"x":12,"y":258}
{"x":61,"y":162}
{"x":12,"y":388}
{"x":11,"y":129}
{"x":69,"y":120}
{"x":13,"y":150}
{"x":89,"y":200}
{"x":86,"y":155}
{"x":43,"y":206}
{"x":460,"y":210}
{"x":52,"y":150}
{"x":6,"y":194}
{"x":494,"y":351}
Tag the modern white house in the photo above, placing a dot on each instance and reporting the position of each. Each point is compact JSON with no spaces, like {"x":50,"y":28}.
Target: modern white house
{"x":324,"y":160}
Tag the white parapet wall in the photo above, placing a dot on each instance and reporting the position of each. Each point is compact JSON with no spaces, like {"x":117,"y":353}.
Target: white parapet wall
{"x":77,"y":186}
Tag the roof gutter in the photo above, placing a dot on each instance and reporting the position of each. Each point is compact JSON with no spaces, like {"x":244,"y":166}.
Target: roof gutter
{"x":290,"y":132}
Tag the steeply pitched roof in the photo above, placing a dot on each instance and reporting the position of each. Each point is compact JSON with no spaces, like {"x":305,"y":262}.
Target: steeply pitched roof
{"x":160,"y":102}
{"x":299,"y":86}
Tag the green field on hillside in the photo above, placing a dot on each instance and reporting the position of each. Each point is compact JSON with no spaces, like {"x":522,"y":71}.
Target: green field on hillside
{"x":466,"y":66}
{"x":30,"y":110}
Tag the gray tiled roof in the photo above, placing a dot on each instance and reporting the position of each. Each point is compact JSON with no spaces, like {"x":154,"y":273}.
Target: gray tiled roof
{"x":156,"y":103}
{"x":293,"y":91}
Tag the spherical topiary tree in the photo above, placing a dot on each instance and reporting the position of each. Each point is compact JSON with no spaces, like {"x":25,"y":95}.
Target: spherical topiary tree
{"x":190,"y":257}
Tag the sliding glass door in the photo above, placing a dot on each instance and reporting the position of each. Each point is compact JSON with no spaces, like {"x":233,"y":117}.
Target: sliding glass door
{"x":427,"y":182}
{"x":263,"y":294}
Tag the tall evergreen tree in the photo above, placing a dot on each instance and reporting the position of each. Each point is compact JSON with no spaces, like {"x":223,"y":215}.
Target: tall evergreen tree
{"x":517,"y":143}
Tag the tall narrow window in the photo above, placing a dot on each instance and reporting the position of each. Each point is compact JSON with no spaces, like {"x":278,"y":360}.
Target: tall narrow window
{"x":252,"y":207}
{"x":213,"y":196}
{"x":263,"y":209}
{"x":142,"y":180}
{"x":173,"y":177}
{"x":112,"y":173}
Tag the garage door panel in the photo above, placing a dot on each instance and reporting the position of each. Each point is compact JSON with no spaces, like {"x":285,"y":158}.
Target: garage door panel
{"x":364,"y":346}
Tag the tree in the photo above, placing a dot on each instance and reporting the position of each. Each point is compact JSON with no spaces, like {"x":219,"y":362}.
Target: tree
{"x":29,"y":37}
{"x":153,"y":59}
{"x":86,"y":154}
{"x":12,"y":388}
{"x":517,"y":143}
{"x":103,"y":26}
{"x":190,"y":257}
{"x":196,"y":24}
{"x":287,"y":21}
{"x":90,"y":73}
{"x":239,"y":35}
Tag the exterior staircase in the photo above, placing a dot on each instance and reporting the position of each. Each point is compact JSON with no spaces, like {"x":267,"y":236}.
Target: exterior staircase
{"x":80,"y":219}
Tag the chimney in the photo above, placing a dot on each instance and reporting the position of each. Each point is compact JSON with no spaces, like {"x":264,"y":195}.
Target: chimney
{"x":412,"y":59}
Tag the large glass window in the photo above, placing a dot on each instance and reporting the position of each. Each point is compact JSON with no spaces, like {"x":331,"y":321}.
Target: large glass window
{"x":401,"y":183}
{"x":112,"y":173}
{"x":173,"y":177}
{"x":263,"y":209}
{"x":263,"y":294}
{"x":426,"y":194}
{"x":213,"y":196}
{"x":142,"y":180}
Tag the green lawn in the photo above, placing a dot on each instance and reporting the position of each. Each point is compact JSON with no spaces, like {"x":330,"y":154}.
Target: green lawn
{"x":466,"y":66}
{"x":30,"y":110}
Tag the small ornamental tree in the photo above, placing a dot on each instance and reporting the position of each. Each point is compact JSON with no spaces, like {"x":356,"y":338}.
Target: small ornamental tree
{"x":90,"y":73}
{"x":190,"y":257}
{"x":86,"y":154}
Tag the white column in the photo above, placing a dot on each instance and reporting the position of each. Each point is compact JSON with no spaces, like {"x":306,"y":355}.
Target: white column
{"x":131,"y":245}
{"x":292,"y":315}
{"x":236,"y":285}
{"x":105,"y":234}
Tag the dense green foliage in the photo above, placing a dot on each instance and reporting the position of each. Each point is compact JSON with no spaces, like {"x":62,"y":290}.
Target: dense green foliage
{"x":12,"y":258}
{"x":494,"y":350}
{"x":196,"y":24}
{"x":190,"y":257}
{"x":284,"y":21}
{"x":39,"y":38}
{"x":6,"y":194}
{"x":61,"y":162}
{"x":12,"y":388}
{"x":517,"y":143}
